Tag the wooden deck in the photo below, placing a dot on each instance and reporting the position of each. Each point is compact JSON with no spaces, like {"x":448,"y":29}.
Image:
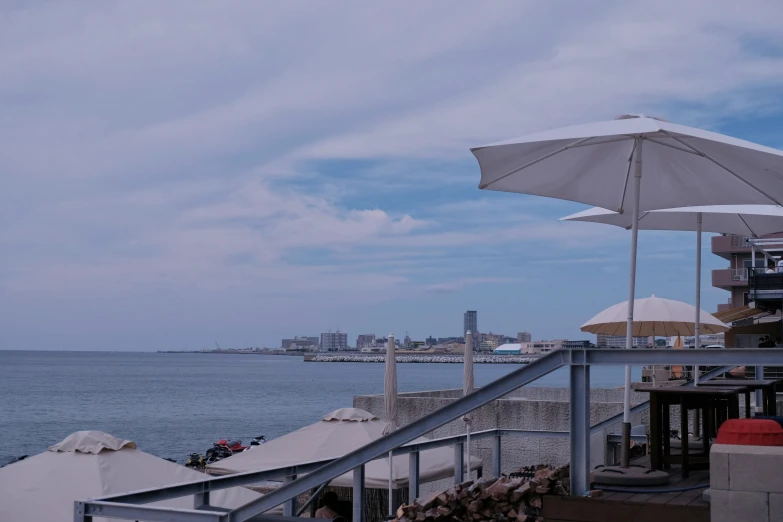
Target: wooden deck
{"x":685,"y":506}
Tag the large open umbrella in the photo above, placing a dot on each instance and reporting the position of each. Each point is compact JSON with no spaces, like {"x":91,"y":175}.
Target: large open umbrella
{"x":593,"y":164}
{"x":467,"y":386}
{"x":390,"y":402}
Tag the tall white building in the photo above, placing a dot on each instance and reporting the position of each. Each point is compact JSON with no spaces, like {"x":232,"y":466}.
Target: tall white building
{"x":334,"y":342}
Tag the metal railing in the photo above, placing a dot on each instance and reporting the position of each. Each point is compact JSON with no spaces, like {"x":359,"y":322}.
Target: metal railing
{"x":302,"y":478}
{"x":739,"y":274}
{"x":740,"y":242}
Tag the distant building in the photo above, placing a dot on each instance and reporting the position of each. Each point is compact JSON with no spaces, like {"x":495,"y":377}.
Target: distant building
{"x":488,"y":345}
{"x":430,"y":341}
{"x":300,"y":342}
{"x":407,"y":341}
{"x":618,"y":341}
{"x":470,"y":323}
{"x":365,"y":341}
{"x":508,"y":349}
{"x":451,"y":340}
{"x":534,"y":347}
{"x":524,"y":337}
{"x":334,"y":342}
{"x":576,"y":345}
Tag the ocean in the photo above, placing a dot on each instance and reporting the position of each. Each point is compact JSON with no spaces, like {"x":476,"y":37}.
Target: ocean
{"x":174,"y":404}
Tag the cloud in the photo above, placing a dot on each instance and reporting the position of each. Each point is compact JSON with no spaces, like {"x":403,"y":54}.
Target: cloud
{"x":179,"y":153}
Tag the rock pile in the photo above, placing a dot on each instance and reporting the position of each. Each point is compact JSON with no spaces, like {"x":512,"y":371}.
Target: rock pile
{"x":504,"y":499}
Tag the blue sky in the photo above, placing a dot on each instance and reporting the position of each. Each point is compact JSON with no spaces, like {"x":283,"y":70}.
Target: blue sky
{"x":183,"y":172}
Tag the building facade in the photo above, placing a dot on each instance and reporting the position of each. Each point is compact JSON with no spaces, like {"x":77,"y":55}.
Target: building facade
{"x":734,"y":279}
{"x":618,"y":341}
{"x":365,"y":341}
{"x":334,"y":341}
{"x":576,"y":345}
{"x":524,"y":337}
{"x":470,"y":322}
{"x":299,"y":342}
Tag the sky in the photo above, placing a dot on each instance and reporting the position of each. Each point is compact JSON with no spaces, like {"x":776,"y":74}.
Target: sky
{"x":179,"y":173}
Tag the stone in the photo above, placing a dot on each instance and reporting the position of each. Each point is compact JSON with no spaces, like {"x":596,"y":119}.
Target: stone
{"x":776,"y":507}
{"x":755,"y":471}
{"x":719,"y":470}
{"x":732,"y":506}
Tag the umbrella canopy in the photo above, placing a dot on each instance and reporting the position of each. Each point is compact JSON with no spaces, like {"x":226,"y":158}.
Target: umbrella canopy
{"x":653,"y":316}
{"x":749,"y":220}
{"x":390,"y":387}
{"x":92,"y":464}
{"x":337,"y":434}
{"x":590,"y":164}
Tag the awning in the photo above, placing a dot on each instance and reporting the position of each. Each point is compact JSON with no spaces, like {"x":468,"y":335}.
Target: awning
{"x":738,"y":314}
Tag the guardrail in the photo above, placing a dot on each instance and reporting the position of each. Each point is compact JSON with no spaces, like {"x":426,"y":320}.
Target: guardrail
{"x":302,"y":478}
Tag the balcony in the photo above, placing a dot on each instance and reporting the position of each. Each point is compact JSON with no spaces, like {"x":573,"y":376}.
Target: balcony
{"x":726,"y":278}
{"x":766,"y":290}
{"x":725,"y":246}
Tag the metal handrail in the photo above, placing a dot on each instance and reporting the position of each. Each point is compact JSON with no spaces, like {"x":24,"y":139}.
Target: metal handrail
{"x":579,"y":361}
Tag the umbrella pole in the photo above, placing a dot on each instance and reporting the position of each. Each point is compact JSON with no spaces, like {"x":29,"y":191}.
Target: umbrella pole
{"x":696,"y":324}
{"x":391,"y":478}
{"x":625,"y":452}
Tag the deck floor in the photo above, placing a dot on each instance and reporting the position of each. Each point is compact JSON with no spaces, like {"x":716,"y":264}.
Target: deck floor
{"x":683,"y":506}
{"x":684,"y":498}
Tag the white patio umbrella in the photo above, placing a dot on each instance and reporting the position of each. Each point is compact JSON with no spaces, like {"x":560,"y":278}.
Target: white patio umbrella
{"x":592,"y":164}
{"x":467,"y":386}
{"x":750,"y":220}
{"x":390,"y":402}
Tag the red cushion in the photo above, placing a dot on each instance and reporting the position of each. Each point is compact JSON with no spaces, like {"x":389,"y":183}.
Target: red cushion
{"x":750,"y":432}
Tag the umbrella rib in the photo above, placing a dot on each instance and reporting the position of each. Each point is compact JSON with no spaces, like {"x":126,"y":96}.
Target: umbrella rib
{"x":531,"y":163}
{"x":724,"y":167}
{"x":627,"y":175}
{"x":672,"y":146}
{"x":746,"y":224}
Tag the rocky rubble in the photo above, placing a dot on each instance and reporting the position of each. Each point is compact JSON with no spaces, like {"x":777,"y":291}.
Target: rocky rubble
{"x":506,"y":499}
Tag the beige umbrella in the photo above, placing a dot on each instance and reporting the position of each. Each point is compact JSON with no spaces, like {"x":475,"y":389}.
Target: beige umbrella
{"x":390,"y":402}
{"x":653,"y":316}
{"x":92,"y":464}
{"x":467,"y":385}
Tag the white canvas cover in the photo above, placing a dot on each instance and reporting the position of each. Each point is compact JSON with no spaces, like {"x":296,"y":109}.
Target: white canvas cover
{"x":88,"y":465}
{"x":748,"y":220}
{"x":653,"y":316}
{"x":589,"y":164}
{"x":337,"y":434}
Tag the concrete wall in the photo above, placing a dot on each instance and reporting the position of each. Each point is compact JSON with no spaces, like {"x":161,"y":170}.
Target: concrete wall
{"x":527,"y":409}
{"x":745,"y":483}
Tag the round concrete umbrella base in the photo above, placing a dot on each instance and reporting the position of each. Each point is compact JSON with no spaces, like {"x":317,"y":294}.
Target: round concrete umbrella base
{"x":633,"y":476}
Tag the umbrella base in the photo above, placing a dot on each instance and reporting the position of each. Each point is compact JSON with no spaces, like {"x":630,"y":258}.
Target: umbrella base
{"x":630,"y":476}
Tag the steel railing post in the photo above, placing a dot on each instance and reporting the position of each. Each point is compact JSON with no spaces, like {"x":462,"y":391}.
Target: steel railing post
{"x":79,"y":513}
{"x":413,"y":476}
{"x":289,"y":507}
{"x":358,"y":494}
{"x":580,"y":429}
{"x":496,"y":456}
{"x":201,"y":499}
{"x":459,"y":463}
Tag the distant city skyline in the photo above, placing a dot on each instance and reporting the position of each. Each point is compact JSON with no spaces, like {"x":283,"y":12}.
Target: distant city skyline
{"x":226,"y":179}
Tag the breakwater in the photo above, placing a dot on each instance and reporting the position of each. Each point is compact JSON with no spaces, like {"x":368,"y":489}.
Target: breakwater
{"x":424,"y":358}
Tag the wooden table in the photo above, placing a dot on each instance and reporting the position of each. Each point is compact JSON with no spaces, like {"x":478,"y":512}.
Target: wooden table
{"x":716,"y":403}
{"x":768,"y":389}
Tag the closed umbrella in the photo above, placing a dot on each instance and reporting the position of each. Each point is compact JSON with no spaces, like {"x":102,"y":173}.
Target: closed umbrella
{"x":467,"y":386}
{"x":390,"y":402}
{"x":593,"y":164}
